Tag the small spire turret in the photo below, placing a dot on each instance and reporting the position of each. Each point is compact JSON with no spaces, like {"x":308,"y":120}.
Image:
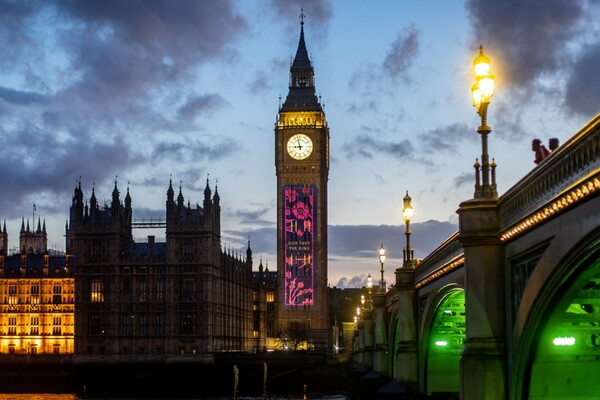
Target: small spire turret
{"x":115,"y":196}
{"x":180,"y":196}
{"x":128,"y":199}
{"x":170,"y":192}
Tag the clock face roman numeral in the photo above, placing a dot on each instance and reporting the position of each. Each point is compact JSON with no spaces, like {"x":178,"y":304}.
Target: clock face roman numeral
{"x":299,"y":146}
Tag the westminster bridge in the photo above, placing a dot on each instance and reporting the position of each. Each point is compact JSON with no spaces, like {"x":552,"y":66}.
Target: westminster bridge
{"x":509,"y":306}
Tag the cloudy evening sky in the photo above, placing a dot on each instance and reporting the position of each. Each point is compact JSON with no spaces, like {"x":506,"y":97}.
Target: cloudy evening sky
{"x":146,"y":90}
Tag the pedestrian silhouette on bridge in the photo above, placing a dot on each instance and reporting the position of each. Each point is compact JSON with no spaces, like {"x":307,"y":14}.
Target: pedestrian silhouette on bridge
{"x":541,"y":152}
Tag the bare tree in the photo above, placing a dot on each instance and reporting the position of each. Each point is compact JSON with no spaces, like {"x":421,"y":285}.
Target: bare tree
{"x":293,"y":335}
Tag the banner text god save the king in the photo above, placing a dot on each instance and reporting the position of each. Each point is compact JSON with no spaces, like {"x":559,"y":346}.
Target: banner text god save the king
{"x":299,"y":240}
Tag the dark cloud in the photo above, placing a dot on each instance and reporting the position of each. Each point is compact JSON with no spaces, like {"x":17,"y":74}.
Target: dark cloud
{"x":368,"y":147}
{"x":317,"y":14}
{"x":464,"y":179}
{"x":402,"y":53}
{"x":212,"y":149}
{"x":531,"y":36}
{"x":94,"y":78}
{"x":20,"y":97}
{"x":246,"y":216}
{"x":358,"y":281}
{"x":583,"y":87}
{"x":201,"y":105}
{"x":173,"y":33}
{"x":366,"y":107}
{"x":260,"y":83}
{"x":374,"y":79}
{"x":447,"y":138}
{"x":362,"y":241}
{"x":38,"y":162}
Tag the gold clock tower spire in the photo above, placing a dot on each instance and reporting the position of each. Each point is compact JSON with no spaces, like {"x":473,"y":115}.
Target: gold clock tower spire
{"x":302,"y":167}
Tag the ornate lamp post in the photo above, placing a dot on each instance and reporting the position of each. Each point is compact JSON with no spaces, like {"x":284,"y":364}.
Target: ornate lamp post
{"x":381,"y":261}
{"x":482,"y":91}
{"x":407,"y":213}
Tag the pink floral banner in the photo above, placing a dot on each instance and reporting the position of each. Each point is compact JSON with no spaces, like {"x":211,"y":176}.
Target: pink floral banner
{"x":299,"y":240}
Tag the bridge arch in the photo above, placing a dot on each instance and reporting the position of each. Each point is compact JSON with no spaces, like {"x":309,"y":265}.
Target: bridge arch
{"x":393,"y":340}
{"x":558,"y":354}
{"x":442,"y":341}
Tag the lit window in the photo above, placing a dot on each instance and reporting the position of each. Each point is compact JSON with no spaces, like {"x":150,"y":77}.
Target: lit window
{"x":57,"y":294}
{"x":57,"y":325}
{"x":12,"y":295}
{"x":34,"y":323}
{"x":97,"y":291}
{"x":143,"y":288}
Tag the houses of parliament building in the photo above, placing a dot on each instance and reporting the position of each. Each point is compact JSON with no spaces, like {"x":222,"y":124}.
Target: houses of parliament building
{"x":111,"y":298}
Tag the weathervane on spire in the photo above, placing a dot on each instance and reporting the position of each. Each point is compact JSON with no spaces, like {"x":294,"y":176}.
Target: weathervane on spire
{"x":301,"y":16}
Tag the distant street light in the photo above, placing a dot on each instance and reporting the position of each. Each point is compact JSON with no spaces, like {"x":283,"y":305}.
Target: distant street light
{"x":381,"y":261}
{"x":407,"y":213}
{"x":370,"y":290}
{"x":482,"y":91}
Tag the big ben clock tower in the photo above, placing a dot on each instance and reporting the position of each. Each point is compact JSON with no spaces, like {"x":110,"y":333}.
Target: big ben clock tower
{"x":302,"y":166}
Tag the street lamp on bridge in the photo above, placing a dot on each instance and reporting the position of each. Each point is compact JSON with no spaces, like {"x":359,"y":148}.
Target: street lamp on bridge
{"x":482,"y":91}
{"x":407,"y":213}
{"x":381,"y":261}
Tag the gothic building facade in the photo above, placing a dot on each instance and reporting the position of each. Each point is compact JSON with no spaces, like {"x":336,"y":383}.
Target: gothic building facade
{"x":183,"y":297}
{"x":36,"y":296}
{"x":264,"y":287}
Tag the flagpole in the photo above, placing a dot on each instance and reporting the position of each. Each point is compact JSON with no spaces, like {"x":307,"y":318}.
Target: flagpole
{"x":33,"y":221}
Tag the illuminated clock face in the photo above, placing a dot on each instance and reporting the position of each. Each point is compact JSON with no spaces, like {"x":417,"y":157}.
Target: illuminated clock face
{"x":299,"y":146}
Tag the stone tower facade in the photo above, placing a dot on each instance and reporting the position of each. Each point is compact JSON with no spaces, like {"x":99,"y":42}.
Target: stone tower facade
{"x":302,"y":167}
{"x":176,"y":298}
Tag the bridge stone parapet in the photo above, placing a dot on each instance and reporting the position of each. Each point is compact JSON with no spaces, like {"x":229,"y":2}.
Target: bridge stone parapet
{"x":444,"y":259}
{"x":568,"y":165}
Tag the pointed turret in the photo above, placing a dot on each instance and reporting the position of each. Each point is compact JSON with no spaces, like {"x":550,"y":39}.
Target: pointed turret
{"x":216,"y":197}
{"x":93,"y":200}
{"x":302,"y":96}
{"x":39,"y":227}
{"x":207,"y":191}
{"x":115,"y":200}
{"x":180,"y":197}
{"x":4,"y":241}
{"x":207,"y":202}
{"x":44,"y":226}
{"x":22,"y":224}
{"x":170,"y":192}
{"x":128,"y":199}
{"x":249,"y":254}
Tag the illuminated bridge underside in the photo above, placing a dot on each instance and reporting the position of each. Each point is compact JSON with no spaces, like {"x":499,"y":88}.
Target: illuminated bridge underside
{"x":446,"y":343}
{"x":567,"y":361}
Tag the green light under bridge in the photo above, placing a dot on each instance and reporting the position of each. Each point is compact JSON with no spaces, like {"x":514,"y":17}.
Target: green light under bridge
{"x":564,"y":341}
{"x":441,"y":343}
